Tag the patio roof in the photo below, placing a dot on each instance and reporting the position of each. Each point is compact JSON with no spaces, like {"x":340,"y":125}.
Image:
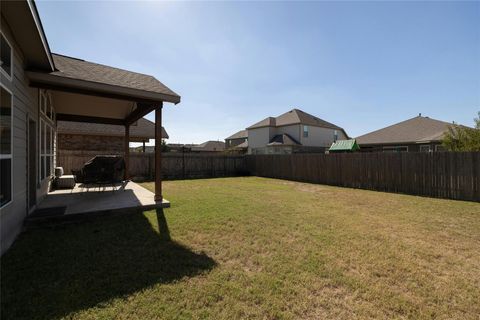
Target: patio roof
{"x":80,"y":76}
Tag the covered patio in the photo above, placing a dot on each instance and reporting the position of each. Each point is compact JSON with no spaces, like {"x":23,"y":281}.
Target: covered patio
{"x":83,"y":91}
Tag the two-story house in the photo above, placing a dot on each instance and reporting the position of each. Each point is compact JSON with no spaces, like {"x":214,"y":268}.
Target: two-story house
{"x":292,"y":132}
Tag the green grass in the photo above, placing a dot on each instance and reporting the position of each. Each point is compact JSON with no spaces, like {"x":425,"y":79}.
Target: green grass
{"x":254,"y":248}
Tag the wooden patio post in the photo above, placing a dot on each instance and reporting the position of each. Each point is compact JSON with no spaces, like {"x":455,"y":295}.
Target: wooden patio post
{"x":127,"y":151}
{"x":143,"y":149}
{"x":158,"y":153}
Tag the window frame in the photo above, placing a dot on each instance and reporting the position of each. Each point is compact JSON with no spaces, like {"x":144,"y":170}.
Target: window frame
{"x":305,"y":131}
{"x":423,"y":146}
{"x":9,"y":77}
{"x":11,"y":148}
{"x":46,"y":103}
{"x":335,"y":135}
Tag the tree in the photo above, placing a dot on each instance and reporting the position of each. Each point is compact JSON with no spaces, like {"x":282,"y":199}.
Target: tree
{"x":461,"y":138}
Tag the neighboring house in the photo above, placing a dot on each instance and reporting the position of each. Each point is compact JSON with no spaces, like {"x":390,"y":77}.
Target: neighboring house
{"x":209,"y":146}
{"x":291,"y":132}
{"x":419,"y":134}
{"x":105,"y":138}
{"x":237,"y":140}
{"x":38,"y":89}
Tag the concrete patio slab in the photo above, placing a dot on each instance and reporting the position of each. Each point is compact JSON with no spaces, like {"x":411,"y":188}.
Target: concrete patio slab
{"x":94,"y":199}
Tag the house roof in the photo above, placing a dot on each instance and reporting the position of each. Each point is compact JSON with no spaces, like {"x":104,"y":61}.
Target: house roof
{"x":239,"y":135}
{"x":72,"y":73}
{"x":414,"y":130}
{"x":344,"y":145}
{"x":295,"y":116}
{"x":209,"y":146}
{"x":242,"y":145}
{"x":143,"y":129}
{"x":283,"y":139}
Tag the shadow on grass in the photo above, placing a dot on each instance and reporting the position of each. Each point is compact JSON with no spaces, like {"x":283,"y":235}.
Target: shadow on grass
{"x":50,"y":273}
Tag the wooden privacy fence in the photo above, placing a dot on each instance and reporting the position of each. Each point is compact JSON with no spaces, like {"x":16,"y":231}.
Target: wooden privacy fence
{"x":437,"y":174}
{"x":174,"y":165}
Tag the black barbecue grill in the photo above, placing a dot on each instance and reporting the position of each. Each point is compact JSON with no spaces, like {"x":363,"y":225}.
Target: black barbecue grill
{"x":101,"y":170}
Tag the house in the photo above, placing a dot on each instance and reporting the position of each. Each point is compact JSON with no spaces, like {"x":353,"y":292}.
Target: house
{"x":104,"y":138}
{"x":237,"y":140}
{"x":292,"y":132}
{"x":38,"y":89}
{"x":209,"y":146}
{"x":418,"y":134}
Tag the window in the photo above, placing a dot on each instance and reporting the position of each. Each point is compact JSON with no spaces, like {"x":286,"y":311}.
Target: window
{"x":6,"y":109}
{"x":47,"y":139}
{"x":6,"y":57}
{"x":335,"y":135}
{"x":395,"y":149}
{"x":46,"y":105}
{"x":47,"y":135}
{"x":305,"y":131}
{"x":425,"y":148}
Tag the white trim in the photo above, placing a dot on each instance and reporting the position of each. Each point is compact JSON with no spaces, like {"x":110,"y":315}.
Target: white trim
{"x":9,"y":77}
{"x":11,"y":146}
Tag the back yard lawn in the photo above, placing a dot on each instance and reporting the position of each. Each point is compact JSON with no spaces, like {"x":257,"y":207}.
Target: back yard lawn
{"x":239,"y":248}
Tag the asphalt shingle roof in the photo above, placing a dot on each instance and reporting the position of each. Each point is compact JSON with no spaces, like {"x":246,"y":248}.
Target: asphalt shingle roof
{"x":88,"y":71}
{"x":239,"y":135}
{"x":294,"y":116}
{"x":418,"y":129}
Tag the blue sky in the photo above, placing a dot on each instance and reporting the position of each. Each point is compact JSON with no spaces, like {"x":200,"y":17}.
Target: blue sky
{"x":360,"y":65}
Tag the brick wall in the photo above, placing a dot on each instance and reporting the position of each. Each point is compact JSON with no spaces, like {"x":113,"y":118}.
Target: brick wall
{"x":89,"y":143}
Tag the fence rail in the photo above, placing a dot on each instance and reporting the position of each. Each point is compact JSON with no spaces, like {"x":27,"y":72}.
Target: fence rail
{"x":438,"y":174}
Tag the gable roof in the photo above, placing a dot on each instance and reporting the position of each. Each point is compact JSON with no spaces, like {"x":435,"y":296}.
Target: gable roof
{"x":295,"y":116}
{"x":242,"y":134}
{"x":144,"y":129}
{"x":414,"y":130}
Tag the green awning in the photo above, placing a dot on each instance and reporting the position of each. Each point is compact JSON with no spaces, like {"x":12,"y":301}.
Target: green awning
{"x":344,"y":145}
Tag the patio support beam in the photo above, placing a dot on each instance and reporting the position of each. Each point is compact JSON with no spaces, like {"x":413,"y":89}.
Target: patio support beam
{"x":127,"y":152}
{"x":158,"y":153}
{"x":78,"y":118}
{"x":141,"y":111}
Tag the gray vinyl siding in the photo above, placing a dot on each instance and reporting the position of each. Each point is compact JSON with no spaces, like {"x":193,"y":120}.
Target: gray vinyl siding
{"x":320,"y":137}
{"x":292,"y":130}
{"x":25,"y":104}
